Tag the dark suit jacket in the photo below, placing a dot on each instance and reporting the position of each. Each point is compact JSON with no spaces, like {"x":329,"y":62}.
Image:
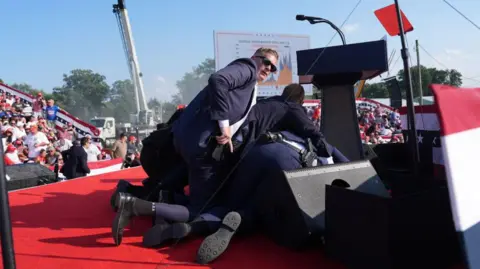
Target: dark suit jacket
{"x":226,"y":97}
{"x":275,"y":114}
{"x":76,"y":163}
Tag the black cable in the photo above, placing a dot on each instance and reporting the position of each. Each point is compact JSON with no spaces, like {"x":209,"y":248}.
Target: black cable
{"x":463,"y":15}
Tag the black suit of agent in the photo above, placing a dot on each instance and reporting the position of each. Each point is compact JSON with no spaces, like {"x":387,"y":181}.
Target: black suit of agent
{"x":76,"y":162}
{"x":208,"y":119}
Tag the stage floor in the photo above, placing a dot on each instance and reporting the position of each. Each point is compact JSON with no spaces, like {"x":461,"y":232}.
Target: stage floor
{"x":68,"y":225}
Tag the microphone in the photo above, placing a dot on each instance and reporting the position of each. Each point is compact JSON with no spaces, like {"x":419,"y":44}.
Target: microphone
{"x":301,"y":17}
{"x":315,"y":20}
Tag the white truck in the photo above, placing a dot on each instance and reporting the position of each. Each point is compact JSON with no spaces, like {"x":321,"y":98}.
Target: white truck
{"x":110,"y":130}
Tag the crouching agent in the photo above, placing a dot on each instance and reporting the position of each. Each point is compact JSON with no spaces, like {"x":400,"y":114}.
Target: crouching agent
{"x":273,"y":152}
{"x":212,"y":117}
{"x":169,"y":173}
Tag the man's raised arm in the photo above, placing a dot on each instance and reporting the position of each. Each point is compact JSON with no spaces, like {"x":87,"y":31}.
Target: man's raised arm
{"x":235,"y":75}
{"x":304,"y":127}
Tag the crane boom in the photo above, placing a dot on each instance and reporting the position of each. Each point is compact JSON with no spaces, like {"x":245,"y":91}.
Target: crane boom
{"x":143,"y":114}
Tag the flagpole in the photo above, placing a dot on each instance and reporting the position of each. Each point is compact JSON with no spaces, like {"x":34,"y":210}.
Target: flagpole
{"x":412,"y":136}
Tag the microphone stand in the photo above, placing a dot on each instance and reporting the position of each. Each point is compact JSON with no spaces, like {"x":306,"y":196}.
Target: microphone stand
{"x":8,"y":252}
{"x":412,"y":130}
{"x":340,"y":33}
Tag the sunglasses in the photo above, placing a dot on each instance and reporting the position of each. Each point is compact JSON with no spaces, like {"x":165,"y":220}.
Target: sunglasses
{"x":267,"y":62}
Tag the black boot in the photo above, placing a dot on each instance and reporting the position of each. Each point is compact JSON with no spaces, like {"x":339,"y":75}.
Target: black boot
{"x":214,"y":245}
{"x":129,"y":206}
{"x":164,"y":232}
{"x":122,"y":186}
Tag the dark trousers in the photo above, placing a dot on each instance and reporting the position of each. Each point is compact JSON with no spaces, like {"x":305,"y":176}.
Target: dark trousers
{"x":338,"y":157}
{"x":202,"y":175}
{"x":261,"y":162}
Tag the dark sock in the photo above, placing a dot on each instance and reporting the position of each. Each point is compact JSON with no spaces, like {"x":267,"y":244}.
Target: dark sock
{"x":143,"y":208}
{"x":177,"y":213}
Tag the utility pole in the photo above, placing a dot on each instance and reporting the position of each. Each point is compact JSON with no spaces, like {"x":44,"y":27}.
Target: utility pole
{"x":420,"y":91}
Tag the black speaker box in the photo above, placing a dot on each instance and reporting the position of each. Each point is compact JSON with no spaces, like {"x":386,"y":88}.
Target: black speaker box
{"x":291,"y":205}
{"x":28,"y":175}
{"x":411,"y":230}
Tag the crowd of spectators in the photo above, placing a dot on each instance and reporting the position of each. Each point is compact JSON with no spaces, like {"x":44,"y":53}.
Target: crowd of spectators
{"x":380,"y":126}
{"x":377,"y":125}
{"x":30,"y":133}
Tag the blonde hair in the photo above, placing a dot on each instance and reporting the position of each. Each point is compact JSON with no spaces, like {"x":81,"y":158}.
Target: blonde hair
{"x":263,"y":51}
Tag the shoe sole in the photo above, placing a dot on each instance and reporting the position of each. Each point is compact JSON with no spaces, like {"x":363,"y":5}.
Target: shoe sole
{"x":115,"y":226}
{"x":161,"y":233}
{"x":214,"y":245}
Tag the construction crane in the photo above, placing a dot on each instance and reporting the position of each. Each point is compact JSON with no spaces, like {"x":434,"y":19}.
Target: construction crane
{"x":143,"y":115}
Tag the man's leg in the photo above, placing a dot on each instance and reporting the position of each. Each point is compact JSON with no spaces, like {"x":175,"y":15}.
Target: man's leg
{"x":203,"y":185}
{"x":262,"y":162}
{"x":129,"y":206}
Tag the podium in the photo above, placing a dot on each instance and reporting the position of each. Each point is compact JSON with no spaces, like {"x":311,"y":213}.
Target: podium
{"x":335,"y":70}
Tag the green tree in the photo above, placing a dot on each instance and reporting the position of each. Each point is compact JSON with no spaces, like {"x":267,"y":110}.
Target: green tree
{"x":375,"y":90}
{"x":163,"y":110}
{"x":122,"y":98}
{"x":1,"y":81}
{"x":427,"y":75}
{"x":193,"y":82}
{"x":430,"y":76}
{"x":154,"y":103}
{"x":84,"y":93}
{"x":27,"y":88}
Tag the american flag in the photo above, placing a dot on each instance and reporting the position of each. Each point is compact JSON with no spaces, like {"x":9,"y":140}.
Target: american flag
{"x":459,"y":117}
{"x":448,"y":137}
{"x":63,"y":117}
{"x":428,"y":135}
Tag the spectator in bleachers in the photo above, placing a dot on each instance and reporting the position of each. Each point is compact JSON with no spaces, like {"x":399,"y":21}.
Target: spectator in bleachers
{"x":62,"y":144}
{"x":22,"y":151}
{"x":93,"y":152}
{"x":51,"y":113}
{"x":17,"y":106}
{"x":70,"y":132}
{"x":42,"y":157}
{"x":38,"y":105}
{"x":11,"y":155}
{"x":53,"y":156}
{"x":105,"y":155}
{"x":36,"y":142}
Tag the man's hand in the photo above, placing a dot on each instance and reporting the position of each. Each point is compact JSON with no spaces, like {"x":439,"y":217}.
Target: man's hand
{"x":226,"y":137}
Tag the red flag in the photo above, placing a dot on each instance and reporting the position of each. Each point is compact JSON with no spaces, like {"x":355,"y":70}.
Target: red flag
{"x":388,"y":18}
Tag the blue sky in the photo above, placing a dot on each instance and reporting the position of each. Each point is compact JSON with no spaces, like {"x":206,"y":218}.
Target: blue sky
{"x":41,"y":40}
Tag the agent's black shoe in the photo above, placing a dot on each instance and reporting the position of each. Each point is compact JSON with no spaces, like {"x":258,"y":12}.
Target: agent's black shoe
{"x":125,"y":203}
{"x":214,"y":245}
{"x":164,"y":232}
{"x":122,"y":186}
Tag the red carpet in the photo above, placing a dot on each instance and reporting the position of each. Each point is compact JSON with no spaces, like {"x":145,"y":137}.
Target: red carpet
{"x":68,"y":225}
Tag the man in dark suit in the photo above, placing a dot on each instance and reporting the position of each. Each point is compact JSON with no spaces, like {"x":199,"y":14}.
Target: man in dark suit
{"x":211,"y":119}
{"x":76,"y":162}
{"x":275,"y":114}
{"x":278,"y":113}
